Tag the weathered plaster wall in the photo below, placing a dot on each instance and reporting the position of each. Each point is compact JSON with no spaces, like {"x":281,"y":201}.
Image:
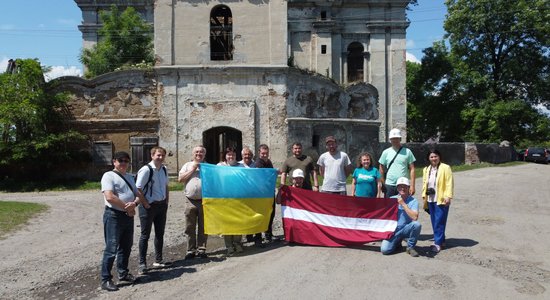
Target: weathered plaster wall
{"x":114,"y":106}
{"x":186,"y":25}
{"x":250,"y":100}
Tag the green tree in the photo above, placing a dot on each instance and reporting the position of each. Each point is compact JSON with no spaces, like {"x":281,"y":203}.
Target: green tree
{"x":485,"y":87}
{"x":125,"y":40}
{"x":432,"y":109}
{"x":503,"y":47}
{"x":31,"y":121}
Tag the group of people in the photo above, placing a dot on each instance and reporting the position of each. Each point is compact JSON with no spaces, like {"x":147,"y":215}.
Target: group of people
{"x":394,"y":178}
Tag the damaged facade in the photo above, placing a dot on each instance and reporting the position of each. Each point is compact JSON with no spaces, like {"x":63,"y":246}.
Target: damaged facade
{"x":243,"y":73}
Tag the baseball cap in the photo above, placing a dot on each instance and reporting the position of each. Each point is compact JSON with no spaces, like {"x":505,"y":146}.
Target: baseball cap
{"x":121,"y":154}
{"x":403,"y":180}
{"x":297,"y":173}
{"x":395,"y":133}
{"x":330,"y":138}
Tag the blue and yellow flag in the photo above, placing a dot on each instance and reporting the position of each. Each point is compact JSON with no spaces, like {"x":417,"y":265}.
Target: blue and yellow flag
{"x":237,"y":200}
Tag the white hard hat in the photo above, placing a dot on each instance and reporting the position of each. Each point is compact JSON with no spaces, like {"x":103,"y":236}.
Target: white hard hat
{"x":395,"y":133}
{"x":403,"y":180}
{"x":297,"y":173}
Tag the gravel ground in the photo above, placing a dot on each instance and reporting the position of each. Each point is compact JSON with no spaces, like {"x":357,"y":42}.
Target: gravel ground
{"x":496,"y":250}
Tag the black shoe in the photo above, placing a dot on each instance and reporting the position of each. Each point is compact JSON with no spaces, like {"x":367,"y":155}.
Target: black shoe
{"x":189,"y":255}
{"x":109,"y":285}
{"x":259,"y":244}
{"x":268,"y":237}
{"x":202,"y":255}
{"x":128,"y":278}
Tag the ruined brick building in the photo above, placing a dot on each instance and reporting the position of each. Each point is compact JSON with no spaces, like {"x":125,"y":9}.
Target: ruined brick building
{"x":236,"y":73}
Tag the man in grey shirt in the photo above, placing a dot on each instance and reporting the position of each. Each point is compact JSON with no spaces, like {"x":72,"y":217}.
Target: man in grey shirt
{"x":190,"y":176}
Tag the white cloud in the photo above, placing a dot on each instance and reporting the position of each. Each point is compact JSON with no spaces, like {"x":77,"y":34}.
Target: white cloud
{"x":410,"y":57}
{"x":58,"y":71}
{"x":3,"y":64}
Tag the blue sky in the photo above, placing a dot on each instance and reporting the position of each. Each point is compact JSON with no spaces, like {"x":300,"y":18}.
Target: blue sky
{"x":48,"y":30}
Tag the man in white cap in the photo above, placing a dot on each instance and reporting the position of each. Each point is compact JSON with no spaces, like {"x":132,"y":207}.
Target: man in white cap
{"x":298,"y":178}
{"x":408,"y":226}
{"x":396,"y":161}
{"x":297,"y":182}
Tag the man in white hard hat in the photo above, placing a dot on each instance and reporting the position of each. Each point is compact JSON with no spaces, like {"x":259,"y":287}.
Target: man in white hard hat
{"x":408,"y":226}
{"x":396,"y":161}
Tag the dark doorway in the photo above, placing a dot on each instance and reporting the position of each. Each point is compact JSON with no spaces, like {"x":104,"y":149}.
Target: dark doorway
{"x":141,"y":150}
{"x":355,"y":62}
{"x":221,"y":33}
{"x":216,"y":139}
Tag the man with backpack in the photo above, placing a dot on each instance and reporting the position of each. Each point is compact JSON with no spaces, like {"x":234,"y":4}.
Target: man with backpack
{"x":152,"y":182}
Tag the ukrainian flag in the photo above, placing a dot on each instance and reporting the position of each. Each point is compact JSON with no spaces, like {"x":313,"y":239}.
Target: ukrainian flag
{"x":237,"y":200}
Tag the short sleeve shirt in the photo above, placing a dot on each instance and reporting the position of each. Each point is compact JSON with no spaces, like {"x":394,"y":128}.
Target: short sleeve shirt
{"x":304,"y":163}
{"x":402,"y":217}
{"x":193,"y":187}
{"x":335,"y":172}
{"x":112,"y":182}
{"x":400,"y":166}
{"x":366,"y":182}
{"x":158,"y":183}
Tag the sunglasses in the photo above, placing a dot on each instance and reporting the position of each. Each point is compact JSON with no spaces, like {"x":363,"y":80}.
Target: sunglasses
{"x":123,"y":161}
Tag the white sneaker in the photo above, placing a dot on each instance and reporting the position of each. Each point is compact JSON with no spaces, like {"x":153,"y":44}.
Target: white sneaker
{"x":161,"y":264}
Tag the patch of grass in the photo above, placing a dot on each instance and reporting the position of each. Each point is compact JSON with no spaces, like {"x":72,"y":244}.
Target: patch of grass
{"x":12,"y":185}
{"x":15,"y":214}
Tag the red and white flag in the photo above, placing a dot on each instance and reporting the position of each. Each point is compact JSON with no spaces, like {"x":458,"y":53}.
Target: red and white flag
{"x":323,"y":219}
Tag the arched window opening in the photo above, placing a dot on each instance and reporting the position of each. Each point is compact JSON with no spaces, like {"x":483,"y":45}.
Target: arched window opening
{"x":221,"y":33}
{"x":355,"y":62}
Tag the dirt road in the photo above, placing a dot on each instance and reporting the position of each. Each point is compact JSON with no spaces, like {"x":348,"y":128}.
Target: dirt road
{"x":498,"y":248}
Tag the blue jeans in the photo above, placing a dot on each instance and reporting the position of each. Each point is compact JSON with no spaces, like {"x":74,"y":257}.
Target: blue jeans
{"x":411,"y":232}
{"x":156,"y":214}
{"x":438,"y":216}
{"x":118,"y":229}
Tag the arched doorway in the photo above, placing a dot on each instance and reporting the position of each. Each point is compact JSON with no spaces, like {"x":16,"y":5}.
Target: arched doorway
{"x":216,"y":139}
{"x":355,"y":62}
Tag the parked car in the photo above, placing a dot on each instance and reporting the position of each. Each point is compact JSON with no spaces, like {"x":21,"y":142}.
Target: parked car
{"x":536,"y":154}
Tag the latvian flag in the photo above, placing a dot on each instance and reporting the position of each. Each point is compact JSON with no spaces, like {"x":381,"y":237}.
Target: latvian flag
{"x":323,"y":219}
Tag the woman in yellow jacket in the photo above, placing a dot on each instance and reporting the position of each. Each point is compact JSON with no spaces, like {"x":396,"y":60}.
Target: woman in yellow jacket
{"x":437,"y":193}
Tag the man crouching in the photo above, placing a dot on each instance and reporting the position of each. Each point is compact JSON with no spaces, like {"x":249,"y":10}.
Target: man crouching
{"x":407,"y":225}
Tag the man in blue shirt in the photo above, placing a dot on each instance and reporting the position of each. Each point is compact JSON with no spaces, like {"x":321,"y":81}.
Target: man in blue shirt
{"x":408,"y":226}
